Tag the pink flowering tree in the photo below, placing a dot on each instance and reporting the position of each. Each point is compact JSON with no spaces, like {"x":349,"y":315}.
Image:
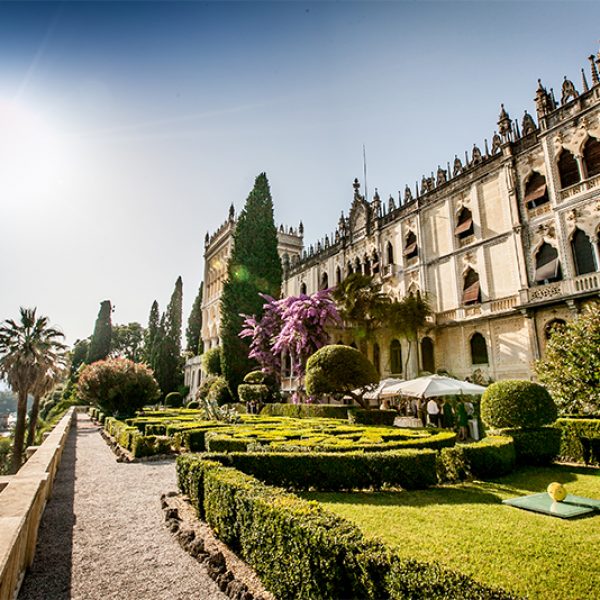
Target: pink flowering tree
{"x":296,"y":326}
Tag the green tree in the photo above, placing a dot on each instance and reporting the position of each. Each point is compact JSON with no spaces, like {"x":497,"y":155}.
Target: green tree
{"x":150,"y":335}
{"x":570,"y":368}
{"x":79,"y":355}
{"x":211,"y":361}
{"x":193,"y":333}
{"x":127,"y":341}
{"x":167,"y":360}
{"x":100,"y":342}
{"x":254,"y":267}
{"x":26,"y":349}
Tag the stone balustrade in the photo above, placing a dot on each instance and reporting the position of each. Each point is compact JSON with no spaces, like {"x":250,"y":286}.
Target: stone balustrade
{"x":23,"y":497}
{"x":562,"y":289}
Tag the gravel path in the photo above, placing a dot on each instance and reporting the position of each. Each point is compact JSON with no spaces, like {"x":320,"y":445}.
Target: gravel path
{"x":102,"y":534}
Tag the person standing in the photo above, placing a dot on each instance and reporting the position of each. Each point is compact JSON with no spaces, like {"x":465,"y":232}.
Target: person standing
{"x":462,"y":420}
{"x":447,"y":414}
{"x":433,"y":412}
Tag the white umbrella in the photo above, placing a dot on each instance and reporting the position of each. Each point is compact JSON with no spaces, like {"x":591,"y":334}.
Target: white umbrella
{"x":435,"y":385}
{"x":381,"y":391}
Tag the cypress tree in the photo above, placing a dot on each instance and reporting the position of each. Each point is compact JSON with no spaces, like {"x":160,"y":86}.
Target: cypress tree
{"x":193,"y":332}
{"x":151,"y":333}
{"x":254,"y":267}
{"x":167,"y":344}
{"x":100,"y":342}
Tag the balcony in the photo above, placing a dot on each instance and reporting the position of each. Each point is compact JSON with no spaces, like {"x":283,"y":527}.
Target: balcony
{"x":582,"y":186}
{"x":485,"y":309}
{"x":561,"y":289}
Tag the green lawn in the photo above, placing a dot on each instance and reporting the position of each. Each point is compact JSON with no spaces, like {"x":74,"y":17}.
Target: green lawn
{"x":468,"y":529}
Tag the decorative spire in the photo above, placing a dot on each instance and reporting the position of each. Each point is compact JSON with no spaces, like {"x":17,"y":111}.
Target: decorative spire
{"x":301,"y":228}
{"x":504,"y":124}
{"x":568,"y":91}
{"x":528,"y":124}
{"x":584,"y":84}
{"x":542,"y":101}
{"x":231,"y":212}
{"x":595,"y":78}
{"x":206,"y":239}
{"x":356,"y":186}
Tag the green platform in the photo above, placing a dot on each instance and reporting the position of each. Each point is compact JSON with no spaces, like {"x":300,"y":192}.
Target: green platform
{"x":570,"y":508}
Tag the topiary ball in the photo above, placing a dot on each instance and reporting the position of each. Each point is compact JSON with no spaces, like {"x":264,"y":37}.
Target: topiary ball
{"x":557,"y":491}
{"x":517,"y":403}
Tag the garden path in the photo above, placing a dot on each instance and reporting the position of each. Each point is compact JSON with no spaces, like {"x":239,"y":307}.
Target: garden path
{"x":102,"y":535}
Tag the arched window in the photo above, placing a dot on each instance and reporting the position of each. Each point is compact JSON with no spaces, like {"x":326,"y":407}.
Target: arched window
{"x":396,"y":357}
{"x":568,"y":170}
{"x":464,"y":224}
{"x":547,"y":265}
{"x":357,"y":265}
{"x":376,"y":357}
{"x":367,"y":265}
{"x":471,"y":288}
{"x":591,"y":156}
{"x":536,"y":191}
{"x":324,"y":281}
{"x":411,"y":249}
{"x":303,"y":289}
{"x":338,"y":276}
{"x":550,"y":325}
{"x":583,"y":253}
{"x":390,"y":253}
{"x":427,"y":355}
{"x":479,"y":354}
{"x":375,"y":262}
{"x":350,"y":268}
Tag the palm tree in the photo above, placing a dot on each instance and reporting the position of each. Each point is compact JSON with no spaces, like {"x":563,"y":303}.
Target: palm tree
{"x":26,"y":350}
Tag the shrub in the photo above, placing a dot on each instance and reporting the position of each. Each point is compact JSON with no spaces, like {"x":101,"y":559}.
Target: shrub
{"x":254,"y":377}
{"x":409,"y":469}
{"x":204,"y":388}
{"x":215,"y":442}
{"x":174,"y":400}
{"x":360,"y":416}
{"x":571,"y":364}
{"x":339,"y":370}
{"x":301,"y":411}
{"x":571,"y":447}
{"x":193,"y":404}
{"x":517,"y":403}
{"x":211,"y":361}
{"x":258,"y":393}
{"x":300,"y":550}
{"x":219,"y":392}
{"x":5,"y":447}
{"x":538,"y":446}
{"x":118,"y":386}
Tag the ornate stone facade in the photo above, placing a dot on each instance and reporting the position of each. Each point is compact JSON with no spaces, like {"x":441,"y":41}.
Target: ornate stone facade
{"x":502,"y":244}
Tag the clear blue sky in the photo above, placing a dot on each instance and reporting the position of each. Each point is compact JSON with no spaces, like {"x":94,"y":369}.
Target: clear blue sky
{"x":127,"y":129}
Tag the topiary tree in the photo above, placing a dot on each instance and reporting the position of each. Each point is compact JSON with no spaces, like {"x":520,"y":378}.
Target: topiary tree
{"x":339,"y":370}
{"x":174,"y":400}
{"x":517,"y":403}
{"x":570,"y":368}
{"x":255,"y":377}
{"x":219,"y":392}
{"x":211,"y":361}
{"x":118,"y":386}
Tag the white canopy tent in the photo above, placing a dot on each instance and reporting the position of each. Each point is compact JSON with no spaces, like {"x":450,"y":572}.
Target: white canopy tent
{"x":431,"y":386}
{"x":382,"y":389}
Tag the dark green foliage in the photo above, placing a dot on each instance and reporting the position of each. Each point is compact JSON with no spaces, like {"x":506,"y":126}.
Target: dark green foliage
{"x":301,"y":411}
{"x":300,"y":550}
{"x":193,"y":333}
{"x":254,"y":267}
{"x":193,"y":404}
{"x":255,"y":377}
{"x":127,"y":341}
{"x":131,"y":439}
{"x":537,"y":446}
{"x":360,"y":416}
{"x":205,"y":386}
{"x":166,"y":353}
{"x":517,"y":403}
{"x":5,"y":447}
{"x":409,"y":469}
{"x":219,"y":392}
{"x":257,"y":392}
{"x":99,"y":347}
{"x":151,"y":333}
{"x":571,"y":447}
{"x":211,"y":361}
{"x":174,"y":400}
{"x":339,"y":370}
{"x":79,"y":355}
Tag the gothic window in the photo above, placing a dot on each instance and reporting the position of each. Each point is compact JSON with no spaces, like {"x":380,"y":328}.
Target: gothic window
{"x":464,"y":224}
{"x":479,"y":353}
{"x":411,"y":249}
{"x":303,"y":289}
{"x":427,"y":356}
{"x":324,"y":281}
{"x":536,"y":191}
{"x":390,"y":253}
{"x":568,"y":170}
{"x":357,"y":265}
{"x":583,"y":253}
{"x":591,"y":156}
{"x":550,"y":325}
{"x":471,"y":288}
{"x":350,"y":268}
{"x":396,"y":357}
{"x":367,"y":266}
{"x":287,"y":365}
{"x":338,"y":276}
{"x":376,"y":357}
{"x":547,"y":265}
{"x":375,"y":262}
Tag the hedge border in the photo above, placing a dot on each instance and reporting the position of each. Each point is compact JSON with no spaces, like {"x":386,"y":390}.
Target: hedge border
{"x":573,"y":429}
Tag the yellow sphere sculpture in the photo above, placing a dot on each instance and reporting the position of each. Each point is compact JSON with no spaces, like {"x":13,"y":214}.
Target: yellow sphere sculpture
{"x":557,"y":491}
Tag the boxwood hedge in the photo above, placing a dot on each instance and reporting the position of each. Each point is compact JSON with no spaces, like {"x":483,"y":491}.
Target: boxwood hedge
{"x":537,"y":446}
{"x":571,"y":446}
{"x":361,"y":416}
{"x":301,"y":411}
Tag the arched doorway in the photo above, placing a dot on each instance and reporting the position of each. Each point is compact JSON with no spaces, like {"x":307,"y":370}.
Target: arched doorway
{"x":427,"y":355}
